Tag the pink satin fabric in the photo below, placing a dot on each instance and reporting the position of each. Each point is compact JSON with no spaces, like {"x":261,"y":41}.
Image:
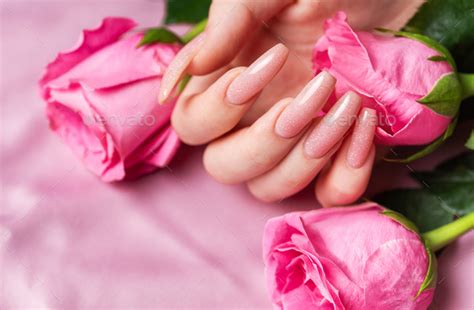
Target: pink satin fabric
{"x":174,"y":239}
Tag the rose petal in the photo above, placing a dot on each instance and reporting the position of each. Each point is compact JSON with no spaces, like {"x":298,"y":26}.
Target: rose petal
{"x":131,"y":112}
{"x":109,"y":31}
{"x":162,"y":156}
{"x":415,"y":131}
{"x":328,"y":258}
{"x":85,"y":143}
{"x":116,"y":64}
{"x":415,"y":74}
{"x":394,"y":272}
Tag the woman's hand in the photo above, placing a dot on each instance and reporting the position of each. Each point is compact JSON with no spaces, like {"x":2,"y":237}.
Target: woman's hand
{"x":228,"y":104}
{"x":284,"y":150}
{"x":287,"y":147}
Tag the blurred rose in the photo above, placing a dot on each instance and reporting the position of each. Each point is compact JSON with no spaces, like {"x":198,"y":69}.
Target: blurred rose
{"x":393,"y":75}
{"x":358,"y":257}
{"x":102,"y":101}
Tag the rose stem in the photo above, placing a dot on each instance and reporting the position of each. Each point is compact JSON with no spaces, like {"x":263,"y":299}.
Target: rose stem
{"x":442,"y":236}
{"x":194,"y":32}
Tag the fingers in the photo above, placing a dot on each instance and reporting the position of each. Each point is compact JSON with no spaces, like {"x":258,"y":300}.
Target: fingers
{"x":177,"y":68}
{"x":228,"y":29}
{"x":259,"y":74}
{"x":334,"y":125}
{"x":254,"y":150}
{"x":250,"y":151}
{"x":290,"y":176}
{"x":347,"y":178}
{"x":230,"y":24}
{"x":300,"y":167}
{"x":305,"y":106}
{"x":201,"y":117}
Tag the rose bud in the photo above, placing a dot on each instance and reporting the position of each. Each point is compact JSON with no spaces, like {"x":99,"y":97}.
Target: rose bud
{"x":361,"y":257}
{"x":409,"y":79}
{"x":102,"y":101}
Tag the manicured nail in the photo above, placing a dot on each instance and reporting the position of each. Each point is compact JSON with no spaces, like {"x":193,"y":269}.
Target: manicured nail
{"x":258,"y":75}
{"x":333,"y":126}
{"x":305,"y":106}
{"x":362,"y":138}
{"x":177,"y":67}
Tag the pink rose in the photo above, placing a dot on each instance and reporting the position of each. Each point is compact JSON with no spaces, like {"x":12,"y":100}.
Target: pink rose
{"x":102,"y":101}
{"x":415,"y":95}
{"x":359,"y":257}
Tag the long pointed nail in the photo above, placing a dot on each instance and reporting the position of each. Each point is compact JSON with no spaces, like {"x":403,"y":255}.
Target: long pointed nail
{"x":176,"y":69}
{"x":333,"y":126}
{"x":305,"y":106}
{"x":362,"y":138}
{"x":258,"y":75}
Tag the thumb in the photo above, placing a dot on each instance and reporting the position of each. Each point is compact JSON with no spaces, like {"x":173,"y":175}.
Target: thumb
{"x":230,"y":24}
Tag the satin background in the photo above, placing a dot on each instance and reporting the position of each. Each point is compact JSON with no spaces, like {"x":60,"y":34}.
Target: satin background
{"x":174,"y":239}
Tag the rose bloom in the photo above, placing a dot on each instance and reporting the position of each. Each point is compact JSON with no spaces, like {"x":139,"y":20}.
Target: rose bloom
{"x":358,"y":257}
{"x":102,"y":101}
{"x":391,"y":74}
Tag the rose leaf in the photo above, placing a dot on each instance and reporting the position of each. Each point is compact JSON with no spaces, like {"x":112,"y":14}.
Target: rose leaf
{"x":450,"y":22}
{"x":418,"y":205}
{"x":445,"y":97}
{"x":446,"y":192}
{"x":159,"y":35}
{"x":186,"y":11}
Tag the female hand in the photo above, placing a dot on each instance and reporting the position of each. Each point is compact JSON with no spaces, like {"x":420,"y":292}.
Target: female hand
{"x":212,"y":106}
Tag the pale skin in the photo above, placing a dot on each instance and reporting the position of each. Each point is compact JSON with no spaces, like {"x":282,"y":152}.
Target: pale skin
{"x":253,"y":98}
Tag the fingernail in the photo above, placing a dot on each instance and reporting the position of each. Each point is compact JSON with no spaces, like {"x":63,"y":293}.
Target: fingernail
{"x":177,"y":67}
{"x":305,"y":106}
{"x":255,"y":77}
{"x":333,"y":126}
{"x":362,"y":138}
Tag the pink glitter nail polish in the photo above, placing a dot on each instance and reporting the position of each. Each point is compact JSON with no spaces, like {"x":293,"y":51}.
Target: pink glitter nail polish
{"x":258,"y":75}
{"x":332,"y":127}
{"x":362,"y":138}
{"x":178,"y":66}
{"x":305,"y":106}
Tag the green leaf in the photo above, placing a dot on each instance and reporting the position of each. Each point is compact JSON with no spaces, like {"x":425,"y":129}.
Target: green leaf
{"x":446,"y":192}
{"x":195,"y":31}
{"x":430,"y":148}
{"x":184,"y":82}
{"x":451,"y":23}
{"x":159,"y":35}
{"x":419,"y":205}
{"x":445,"y":97}
{"x":470,"y":142}
{"x":453,"y":183}
{"x":186,"y":11}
